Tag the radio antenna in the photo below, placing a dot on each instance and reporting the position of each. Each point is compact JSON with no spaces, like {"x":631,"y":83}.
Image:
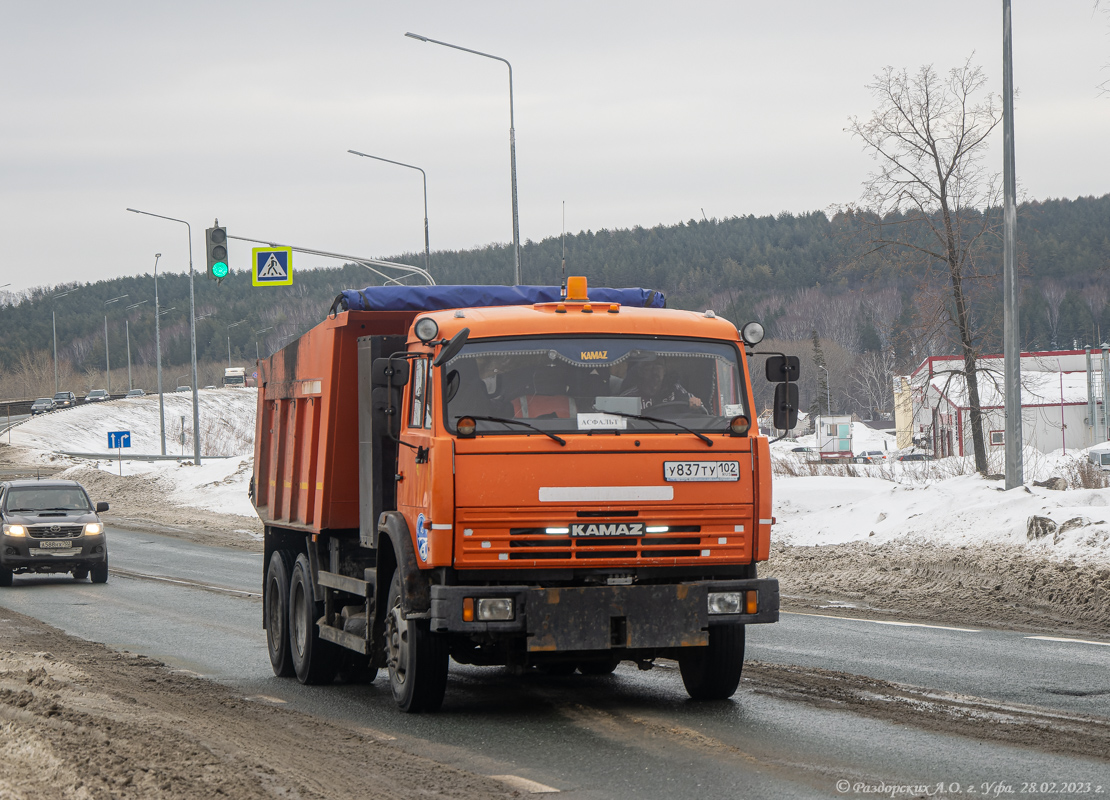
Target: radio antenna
{"x":564,"y":286}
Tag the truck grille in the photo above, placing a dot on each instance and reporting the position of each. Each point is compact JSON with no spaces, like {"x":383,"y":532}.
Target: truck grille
{"x":55,"y":531}
{"x":489,"y":537}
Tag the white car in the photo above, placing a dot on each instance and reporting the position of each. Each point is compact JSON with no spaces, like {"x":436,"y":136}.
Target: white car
{"x":871,"y":457}
{"x":97,"y":395}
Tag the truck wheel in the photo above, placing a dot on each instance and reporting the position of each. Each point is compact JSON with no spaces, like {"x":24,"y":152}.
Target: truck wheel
{"x":417,"y":657}
{"x":80,"y":574}
{"x":315,"y":660}
{"x":713,"y":672}
{"x":5,"y":576}
{"x":99,"y":573}
{"x":277,"y":612}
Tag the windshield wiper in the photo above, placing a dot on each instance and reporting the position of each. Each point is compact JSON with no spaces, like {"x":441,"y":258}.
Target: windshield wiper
{"x":507,"y":421}
{"x":60,"y":508}
{"x":701,"y":436}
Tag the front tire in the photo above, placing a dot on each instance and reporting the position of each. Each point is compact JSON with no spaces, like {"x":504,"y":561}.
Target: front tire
{"x":315,"y":660}
{"x":278,"y":573}
{"x":80,"y":574}
{"x":713,"y":672}
{"x":5,"y":576}
{"x":417,"y":657}
{"x":99,"y":573}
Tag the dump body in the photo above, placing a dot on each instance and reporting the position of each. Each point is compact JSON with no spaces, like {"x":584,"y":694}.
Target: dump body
{"x":575,"y":481}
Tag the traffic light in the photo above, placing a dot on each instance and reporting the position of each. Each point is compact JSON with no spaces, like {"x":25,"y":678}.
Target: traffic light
{"x":215,"y":239}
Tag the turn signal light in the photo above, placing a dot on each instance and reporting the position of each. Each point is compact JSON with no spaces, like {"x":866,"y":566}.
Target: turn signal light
{"x":466,"y":426}
{"x":740,"y":426}
{"x":468,"y":609}
{"x":751,"y":605}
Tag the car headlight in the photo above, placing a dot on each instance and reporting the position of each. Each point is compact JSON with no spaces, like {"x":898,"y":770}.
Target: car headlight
{"x":93,"y":528}
{"x":726,"y":602}
{"x":15,"y":530}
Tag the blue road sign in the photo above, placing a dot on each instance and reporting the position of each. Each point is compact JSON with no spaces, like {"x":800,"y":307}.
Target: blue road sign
{"x":118,"y":439}
{"x":273,"y":266}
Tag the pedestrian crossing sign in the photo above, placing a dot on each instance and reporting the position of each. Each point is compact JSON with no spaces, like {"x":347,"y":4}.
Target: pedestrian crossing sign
{"x":273,"y":266}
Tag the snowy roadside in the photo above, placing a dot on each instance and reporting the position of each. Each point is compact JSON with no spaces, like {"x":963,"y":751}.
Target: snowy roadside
{"x":922,"y":540}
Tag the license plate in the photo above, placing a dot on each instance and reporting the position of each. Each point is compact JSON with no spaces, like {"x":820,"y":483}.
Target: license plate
{"x":59,"y":543}
{"x":701,"y":470}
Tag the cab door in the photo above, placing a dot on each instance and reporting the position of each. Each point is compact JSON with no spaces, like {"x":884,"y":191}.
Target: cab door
{"x":413,"y":486}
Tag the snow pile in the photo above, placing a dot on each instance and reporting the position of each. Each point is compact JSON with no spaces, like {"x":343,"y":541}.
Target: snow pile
{"x":219,"y":484}
{"x":960,"y":511}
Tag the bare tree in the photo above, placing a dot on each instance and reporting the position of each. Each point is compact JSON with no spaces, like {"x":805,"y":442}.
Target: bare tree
{"x":1095,"y":297}
{"x":930,"y":196}
{"x":871,"y":380}
{"x":1054,"y":295}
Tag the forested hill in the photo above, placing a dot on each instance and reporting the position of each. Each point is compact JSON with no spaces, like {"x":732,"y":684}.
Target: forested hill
{"x":731,"y":265}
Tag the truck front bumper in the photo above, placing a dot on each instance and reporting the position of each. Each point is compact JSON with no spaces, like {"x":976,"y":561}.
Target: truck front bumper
{"x":605,"y":617}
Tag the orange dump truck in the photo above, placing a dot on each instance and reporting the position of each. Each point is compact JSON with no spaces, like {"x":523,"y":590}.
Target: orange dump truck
{"x":508,"y":476}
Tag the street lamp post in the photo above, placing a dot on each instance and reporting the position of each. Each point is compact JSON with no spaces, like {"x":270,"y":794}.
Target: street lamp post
{"x":512,"y":139}
{"x":192,"y":332}
{"x":127,"y":332}
{"x":107,"y":363}
{"x":427,"y":248}
{"x":229,"y":327}
{"x":158,"y":355}
{"x":54,"y":326}
{"x":256,"y":355}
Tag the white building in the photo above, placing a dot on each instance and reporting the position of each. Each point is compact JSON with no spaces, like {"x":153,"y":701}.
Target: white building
{"x":1062,"y":403}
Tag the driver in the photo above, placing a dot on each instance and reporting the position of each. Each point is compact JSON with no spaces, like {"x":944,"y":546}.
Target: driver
{"x":647,"y":379}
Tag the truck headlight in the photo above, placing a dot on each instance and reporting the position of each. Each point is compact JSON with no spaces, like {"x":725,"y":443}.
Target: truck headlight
{"x":93,"y":528}
{"x":726,"y":602}
{"x":15,"y":530}
{"x":495,"y":609}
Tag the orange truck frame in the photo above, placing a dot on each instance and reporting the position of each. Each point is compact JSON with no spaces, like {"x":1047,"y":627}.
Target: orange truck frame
{"x":513,"y":485}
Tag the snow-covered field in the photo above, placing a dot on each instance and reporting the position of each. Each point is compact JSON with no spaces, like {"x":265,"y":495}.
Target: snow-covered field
{"x":941,"y":503}
{"x":227,"y":439}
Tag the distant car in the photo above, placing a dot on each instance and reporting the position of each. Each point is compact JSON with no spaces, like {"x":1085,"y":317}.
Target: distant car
{"x":135,"y":393}
{"x":803,"y":450}
{"x":871,"y":457}
{"x":916,"y":457}
{"x":65,"y":399}
{"x":97,"y":395}
{"x":209,"y":387}
{"x":51,"y":526}
{"x":184,"y":389}
{"x":42,"y":405}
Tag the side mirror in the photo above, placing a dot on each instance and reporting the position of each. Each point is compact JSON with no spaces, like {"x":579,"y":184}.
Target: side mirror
{"x":781,"y":369}
{"x":452,"y":348}
{"x":785,"y":415}
{"x":101,"y":507}
{"x":385,"y":369}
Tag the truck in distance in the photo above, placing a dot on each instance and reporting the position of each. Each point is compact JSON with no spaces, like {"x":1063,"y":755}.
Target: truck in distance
{"x":235,"y":378}
{"x":511,"y":476}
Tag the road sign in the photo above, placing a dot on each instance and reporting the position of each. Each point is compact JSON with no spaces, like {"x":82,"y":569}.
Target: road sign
{"x":272,"y":266}
{"x":254,"y":374}
{"x":118,"y":439}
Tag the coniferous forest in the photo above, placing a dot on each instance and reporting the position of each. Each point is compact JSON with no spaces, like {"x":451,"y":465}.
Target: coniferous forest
{"x":805,"y":276}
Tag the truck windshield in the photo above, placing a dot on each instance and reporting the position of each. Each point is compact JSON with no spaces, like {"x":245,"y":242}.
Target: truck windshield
{"x":570,"y":385}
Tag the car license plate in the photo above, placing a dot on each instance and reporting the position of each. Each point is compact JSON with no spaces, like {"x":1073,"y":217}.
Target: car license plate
{"x":701,"y":470}
{"x":59,"y":543}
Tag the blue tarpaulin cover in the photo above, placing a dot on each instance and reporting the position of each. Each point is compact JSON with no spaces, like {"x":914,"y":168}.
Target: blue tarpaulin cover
{"x":436,"y":298}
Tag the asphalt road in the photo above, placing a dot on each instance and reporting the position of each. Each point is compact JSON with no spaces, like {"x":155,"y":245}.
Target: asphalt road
{"x":632,"y":735}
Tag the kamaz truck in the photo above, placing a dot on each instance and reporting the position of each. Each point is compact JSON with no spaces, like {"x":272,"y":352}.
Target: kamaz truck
{"x":535,"y":477}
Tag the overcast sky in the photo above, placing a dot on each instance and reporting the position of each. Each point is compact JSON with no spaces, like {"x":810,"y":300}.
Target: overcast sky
{"x":634,"y":113}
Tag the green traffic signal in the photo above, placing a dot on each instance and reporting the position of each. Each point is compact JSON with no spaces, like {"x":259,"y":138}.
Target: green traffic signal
{"x":216,"y":250}
{"x":219,"y":270}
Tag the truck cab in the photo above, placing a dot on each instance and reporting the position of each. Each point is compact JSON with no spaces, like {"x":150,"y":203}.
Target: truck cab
{"x":560,"y":484}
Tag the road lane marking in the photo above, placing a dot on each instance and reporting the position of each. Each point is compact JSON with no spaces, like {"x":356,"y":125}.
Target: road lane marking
{"x":1061,"y":639}
{"x":194,"y":584}
{"x":883,"y":622}
{"x":525,"y":785}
